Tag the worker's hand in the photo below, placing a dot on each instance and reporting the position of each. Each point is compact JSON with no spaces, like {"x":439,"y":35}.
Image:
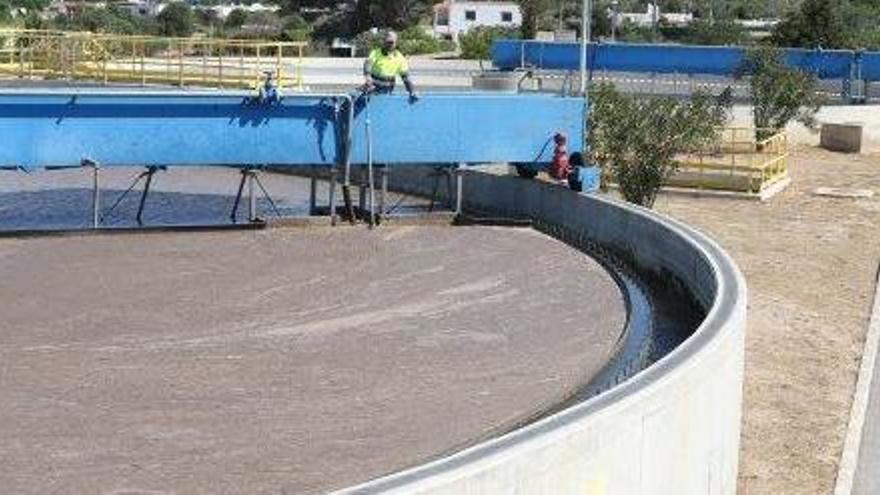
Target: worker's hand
{"x":413,"y":97}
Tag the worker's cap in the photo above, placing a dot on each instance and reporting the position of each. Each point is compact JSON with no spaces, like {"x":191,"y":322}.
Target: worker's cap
{"x":390,"y":37}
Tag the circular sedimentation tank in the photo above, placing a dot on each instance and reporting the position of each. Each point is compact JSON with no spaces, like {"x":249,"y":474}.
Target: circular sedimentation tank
{"x":285,"y":360}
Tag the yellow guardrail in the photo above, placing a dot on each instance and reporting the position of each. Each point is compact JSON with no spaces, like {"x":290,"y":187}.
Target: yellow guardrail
{"x":736,"y":162}
{"x":108,"y":58}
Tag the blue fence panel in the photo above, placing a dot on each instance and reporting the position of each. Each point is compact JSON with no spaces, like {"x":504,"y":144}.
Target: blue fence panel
{"x":667,"y":59}
{"x":825,"y":64}
{"x":871,"y":66}
{"x":467,"y":128}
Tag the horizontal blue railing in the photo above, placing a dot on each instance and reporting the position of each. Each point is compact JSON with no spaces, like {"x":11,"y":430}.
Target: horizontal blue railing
{"x":847,"y":65}
{"x":62,"y":129}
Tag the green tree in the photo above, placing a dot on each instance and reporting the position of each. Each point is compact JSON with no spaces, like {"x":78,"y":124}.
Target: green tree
{"x":533,"y":12}
{"x":780,"y":94}
{"x":176,"y":20}
{"x":635,"y":140}
{"x":393,"y":14}
{"x":236,"y":19}
{"x":476,"y":44}
{"x":724,"y":32}
{"x":817,"y":23}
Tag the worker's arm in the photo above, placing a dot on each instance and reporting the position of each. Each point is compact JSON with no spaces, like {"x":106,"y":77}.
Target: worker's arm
{"x":408,"y":84}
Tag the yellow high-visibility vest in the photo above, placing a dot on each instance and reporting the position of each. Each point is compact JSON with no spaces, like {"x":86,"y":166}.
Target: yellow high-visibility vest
{"x":387,"y":67}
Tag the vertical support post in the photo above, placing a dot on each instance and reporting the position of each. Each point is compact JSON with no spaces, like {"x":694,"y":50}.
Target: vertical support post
{"x":252,"y":198}
{"x":459,"y":190}
{"x":143,"y":63}
{"x":313,"y":194}
{"x":362,"y":194}
{"x":585,"y":40}
{"x":383,"y":180}
{"x":332,"y":195}
{"x":96,"y":191}
{"x":180,"y":64}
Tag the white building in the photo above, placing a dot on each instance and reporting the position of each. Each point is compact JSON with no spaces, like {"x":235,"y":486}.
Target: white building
{"x":452,"y":17}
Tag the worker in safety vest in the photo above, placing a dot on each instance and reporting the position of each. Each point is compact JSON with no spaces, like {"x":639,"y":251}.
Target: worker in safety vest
{"x":383,"y":65}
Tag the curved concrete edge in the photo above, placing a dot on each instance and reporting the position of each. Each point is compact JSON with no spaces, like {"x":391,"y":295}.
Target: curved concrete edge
{"x":673,"y":428}
{"x":850,"y":467}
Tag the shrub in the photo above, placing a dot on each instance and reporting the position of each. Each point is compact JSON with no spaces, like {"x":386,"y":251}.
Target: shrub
{"x":476,"y":44}
{"x":635,"y":139}
{"x":779,"y":93}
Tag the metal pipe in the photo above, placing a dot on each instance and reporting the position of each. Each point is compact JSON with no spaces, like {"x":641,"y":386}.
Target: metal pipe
{"x":332,"y":195}
{"x":383,"y":180}
{"x":252,"y":198}
{"x":96,"y":192}
{"x":313,"y":194}
{"x":370,"y":179}
{"x":140,"y":213}
{"x":349,"y":134}
{"x":585,"y":40}
{"x":459,"y":190}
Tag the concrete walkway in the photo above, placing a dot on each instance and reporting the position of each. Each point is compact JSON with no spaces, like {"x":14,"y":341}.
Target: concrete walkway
{"x":867,"y":479}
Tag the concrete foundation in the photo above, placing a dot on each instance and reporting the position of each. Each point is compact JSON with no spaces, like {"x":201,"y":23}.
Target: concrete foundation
{"x":846,"y":138}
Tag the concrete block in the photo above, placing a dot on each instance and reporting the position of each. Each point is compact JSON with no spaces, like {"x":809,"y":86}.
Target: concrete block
{"x":497,"y":81}
{"x":846,"y":138}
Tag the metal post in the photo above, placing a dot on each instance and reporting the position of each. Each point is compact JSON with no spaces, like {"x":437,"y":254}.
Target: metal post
{"x":332,"y":194}
{"x":383,"y":180}
{"x":585,"y":40}
{"x":96,"y":192}
{"x":370,"y":179}
{"x":313,"y":194}
{"x":252,"y":198}
{"x":459,"y":190}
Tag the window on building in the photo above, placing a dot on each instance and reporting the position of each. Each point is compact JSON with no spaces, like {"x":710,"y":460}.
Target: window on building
{"x":470,"y":15}
{"x":506,"y":16}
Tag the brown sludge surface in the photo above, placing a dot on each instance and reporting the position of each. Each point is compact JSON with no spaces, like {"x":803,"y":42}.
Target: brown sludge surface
{"x":282,"y":361}
{"x":809,"y":262}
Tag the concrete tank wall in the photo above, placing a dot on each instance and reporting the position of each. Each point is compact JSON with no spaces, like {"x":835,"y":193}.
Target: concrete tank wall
{"x":672,"y":429}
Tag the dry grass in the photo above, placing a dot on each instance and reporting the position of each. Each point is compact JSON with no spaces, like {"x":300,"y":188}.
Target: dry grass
{"x":809,"y":262}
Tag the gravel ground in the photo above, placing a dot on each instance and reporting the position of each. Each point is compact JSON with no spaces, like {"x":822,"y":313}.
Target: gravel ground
{"x":809,"y":262}
{"x":286,"y":360}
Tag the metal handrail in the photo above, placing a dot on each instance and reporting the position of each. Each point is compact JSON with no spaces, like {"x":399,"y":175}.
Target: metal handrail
{"x":140,"y":59}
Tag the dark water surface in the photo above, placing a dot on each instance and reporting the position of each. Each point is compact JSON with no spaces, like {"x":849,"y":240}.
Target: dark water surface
{"x":62,"y":199}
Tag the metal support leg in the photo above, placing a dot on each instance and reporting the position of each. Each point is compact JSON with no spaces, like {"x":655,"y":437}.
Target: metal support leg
{"x":313,"y":194}
{"x":450,"y":198}
{"x":435,"y":185}
{"x":234,"y":213}
{"x":151,"y":171}
{"x":96,"y":195}
{"x":383,"y":194}
{"x":459,"y":190}
{"x":252,"y":198}
{"x":332,"y":196}
{"x":362,"y":195}
{"x":372,"y":186}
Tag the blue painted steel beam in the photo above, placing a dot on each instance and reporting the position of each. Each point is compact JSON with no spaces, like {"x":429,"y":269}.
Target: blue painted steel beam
{"x":467,"y":128}
{"x":58,"y":129}
{"x":659,"y":58}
